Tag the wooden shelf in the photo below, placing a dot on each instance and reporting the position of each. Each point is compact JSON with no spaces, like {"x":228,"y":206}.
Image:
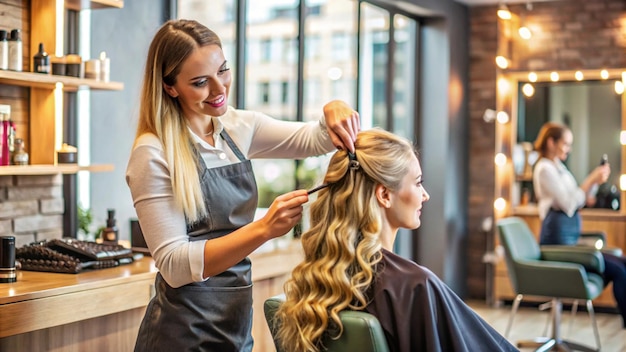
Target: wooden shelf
{"x":78,"y":5}
{"x":52,"y":169}
{"x":41,"y":80}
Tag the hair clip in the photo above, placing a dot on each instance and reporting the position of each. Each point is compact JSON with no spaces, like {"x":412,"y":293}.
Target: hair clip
{"x":313,"y":190}
{"x":354,"y":164}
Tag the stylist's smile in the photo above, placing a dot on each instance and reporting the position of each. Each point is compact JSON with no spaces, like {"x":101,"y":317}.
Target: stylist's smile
{"x":217,"y":103}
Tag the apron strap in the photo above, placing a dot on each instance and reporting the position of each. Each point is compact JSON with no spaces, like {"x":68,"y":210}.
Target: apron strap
{"x":225,"y":136}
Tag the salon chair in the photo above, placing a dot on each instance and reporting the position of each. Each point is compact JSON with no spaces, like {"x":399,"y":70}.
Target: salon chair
{"x":557,"y":272}
{"x":361,"y":331}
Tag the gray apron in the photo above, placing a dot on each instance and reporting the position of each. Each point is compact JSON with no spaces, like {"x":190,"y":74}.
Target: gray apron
{"x":216,"y":314}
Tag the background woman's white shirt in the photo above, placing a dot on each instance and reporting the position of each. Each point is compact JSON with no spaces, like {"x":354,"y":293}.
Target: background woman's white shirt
{"x":179,"y":260}
{"x":555,"y":187}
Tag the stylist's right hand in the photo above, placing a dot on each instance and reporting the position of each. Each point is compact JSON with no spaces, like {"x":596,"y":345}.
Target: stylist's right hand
{"x":602,"y":173}
{"x":285,"y":212}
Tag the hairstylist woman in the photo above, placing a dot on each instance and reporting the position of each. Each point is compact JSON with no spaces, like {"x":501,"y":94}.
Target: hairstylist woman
{"x":560,"y":198}
{"x":195,"y":194}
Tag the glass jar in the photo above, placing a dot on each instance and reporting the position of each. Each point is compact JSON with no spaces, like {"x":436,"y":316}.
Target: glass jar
{"x":20,"y":156}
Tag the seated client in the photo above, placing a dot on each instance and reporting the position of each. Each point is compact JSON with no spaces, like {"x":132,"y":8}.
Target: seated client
{"x":349,"y":263}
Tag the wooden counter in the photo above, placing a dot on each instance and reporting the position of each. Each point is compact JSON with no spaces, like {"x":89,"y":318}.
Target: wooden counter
{"x":101,"y":310}
{"x":90,"y":311}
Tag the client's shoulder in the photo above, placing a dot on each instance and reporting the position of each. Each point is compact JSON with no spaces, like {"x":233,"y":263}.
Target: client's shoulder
{"x":411,"y":273}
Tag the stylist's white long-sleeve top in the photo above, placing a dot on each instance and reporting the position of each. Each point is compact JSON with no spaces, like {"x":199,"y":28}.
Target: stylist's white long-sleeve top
{"x":179,"y":260}
{"x":555,"y":187}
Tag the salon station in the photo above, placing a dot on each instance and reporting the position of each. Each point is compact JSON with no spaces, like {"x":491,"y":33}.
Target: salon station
{"x":470,"y":82}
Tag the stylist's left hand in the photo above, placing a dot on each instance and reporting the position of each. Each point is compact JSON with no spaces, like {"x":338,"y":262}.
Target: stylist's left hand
{"x":342,"y":123}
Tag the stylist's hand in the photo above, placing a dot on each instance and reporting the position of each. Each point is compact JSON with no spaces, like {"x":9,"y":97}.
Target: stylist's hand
{"x":284,"y":213}
{"x":342,"y":123}
{"x":601,"y":173}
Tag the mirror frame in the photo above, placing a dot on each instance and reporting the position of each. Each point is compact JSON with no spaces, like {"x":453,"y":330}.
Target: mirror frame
{"x":507,"y":86}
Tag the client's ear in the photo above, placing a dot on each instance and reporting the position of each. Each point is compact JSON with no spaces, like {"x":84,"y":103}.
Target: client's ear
{"x":383,"y":196}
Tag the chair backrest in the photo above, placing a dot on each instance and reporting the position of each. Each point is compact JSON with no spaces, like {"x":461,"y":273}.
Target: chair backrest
{"x":518,"y":240}
{"x":361,"y":331}
{"x":519,"y":244}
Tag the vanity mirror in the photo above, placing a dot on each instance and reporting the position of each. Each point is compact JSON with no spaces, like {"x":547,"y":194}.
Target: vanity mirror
{"x":589,"y":102}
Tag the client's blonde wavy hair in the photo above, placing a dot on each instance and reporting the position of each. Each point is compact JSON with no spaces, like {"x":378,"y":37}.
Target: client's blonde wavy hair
{"x":342,"y":248}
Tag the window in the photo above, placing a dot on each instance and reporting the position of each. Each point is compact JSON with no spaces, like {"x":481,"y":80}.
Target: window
{"x":341,"y":46}
{"x":266,"y":49}
{"x":381,"y":78}
{"x":313,"y":46}
{"x":264,"y":91}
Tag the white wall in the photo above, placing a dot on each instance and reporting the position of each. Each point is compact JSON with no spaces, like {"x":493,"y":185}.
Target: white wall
{"x":125,"y":35}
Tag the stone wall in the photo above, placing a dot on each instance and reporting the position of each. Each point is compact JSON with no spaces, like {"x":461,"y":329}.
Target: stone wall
{"x":31,"y":207}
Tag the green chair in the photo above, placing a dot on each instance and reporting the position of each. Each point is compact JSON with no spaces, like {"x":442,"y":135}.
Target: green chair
{"x":557,"y":272}
{"x":361,"y":331}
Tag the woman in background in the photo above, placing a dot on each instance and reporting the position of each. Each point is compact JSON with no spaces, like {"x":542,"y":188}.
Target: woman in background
{"x":560,"y":197}
{"x":194,"y":190}
{"x":349,"y":263}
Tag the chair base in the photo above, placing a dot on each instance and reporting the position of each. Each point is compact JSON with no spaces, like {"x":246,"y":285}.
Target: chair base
{"x":544,"y":344}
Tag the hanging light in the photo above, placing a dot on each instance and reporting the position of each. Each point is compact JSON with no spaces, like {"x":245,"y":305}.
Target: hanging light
{"x":502,"y":62}
{"x":525,"y":32}
{"x":503,"y":12}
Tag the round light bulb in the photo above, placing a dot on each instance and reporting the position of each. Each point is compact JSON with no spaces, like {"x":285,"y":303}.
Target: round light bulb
{"x":502,"y":62}
{"x":525,"y":32}
{"x":579,"y":76}
{"x":622,"y":137}
{"x":528,"y":90}
{"x":554,"y":76}
{"x":502,"y":117}
{"x":500,"y":159}
{"x":499,"y":204}
{"x":619,"y":87}
{"x":532,"y":77}
{"x":622,"y":182}
{"x":604,"y":74}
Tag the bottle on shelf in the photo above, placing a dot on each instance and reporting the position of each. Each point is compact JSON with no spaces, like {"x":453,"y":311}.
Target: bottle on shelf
{"x":20,"y":156}
{"x":15,"y":50}
{"x":4,"y":50}
{"x":7,"y":135}
{"x":41,"y":61}
{"x":109,"y":234}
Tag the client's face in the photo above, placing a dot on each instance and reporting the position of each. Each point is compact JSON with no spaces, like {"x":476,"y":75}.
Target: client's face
{"x":406,"y":202}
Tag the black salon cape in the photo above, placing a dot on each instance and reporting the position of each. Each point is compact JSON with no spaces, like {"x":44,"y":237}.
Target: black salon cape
{"x":418,"y":312}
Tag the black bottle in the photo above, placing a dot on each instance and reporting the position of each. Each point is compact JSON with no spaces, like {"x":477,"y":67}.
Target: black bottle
{"x":109,"y":234}
{"x":41,"y":61}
